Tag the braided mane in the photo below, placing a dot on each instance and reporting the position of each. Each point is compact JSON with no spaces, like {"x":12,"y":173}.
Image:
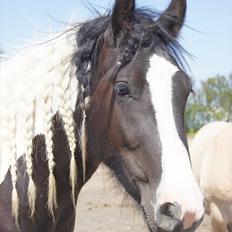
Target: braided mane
{"x":36,"y":84}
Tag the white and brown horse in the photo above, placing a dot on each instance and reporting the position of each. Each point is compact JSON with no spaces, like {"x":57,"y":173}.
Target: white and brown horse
{"x":108,"y":90}
{"x":211,"y":154}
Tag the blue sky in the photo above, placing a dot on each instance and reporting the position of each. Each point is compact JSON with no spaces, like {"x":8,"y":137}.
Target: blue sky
{"x":210,"y":42}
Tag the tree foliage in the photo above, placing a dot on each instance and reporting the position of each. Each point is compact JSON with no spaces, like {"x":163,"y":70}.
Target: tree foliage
{"x":212,"y":101}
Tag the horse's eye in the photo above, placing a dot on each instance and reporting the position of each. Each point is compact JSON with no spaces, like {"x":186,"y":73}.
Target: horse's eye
{"x":121,"y":88}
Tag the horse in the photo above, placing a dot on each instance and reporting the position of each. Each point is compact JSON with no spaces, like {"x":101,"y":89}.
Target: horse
{"x":211,"y":155}
{"x":110,"y":90}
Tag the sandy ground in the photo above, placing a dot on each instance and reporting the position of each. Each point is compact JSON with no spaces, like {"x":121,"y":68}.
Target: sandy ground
{"x":103,"y":207}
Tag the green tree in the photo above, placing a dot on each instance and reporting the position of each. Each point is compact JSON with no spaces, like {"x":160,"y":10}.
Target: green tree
{"x":211,"y":102}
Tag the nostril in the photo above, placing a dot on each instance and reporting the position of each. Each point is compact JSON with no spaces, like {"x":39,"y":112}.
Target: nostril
{"x":168,"y":217}
{"x":171,"y":210}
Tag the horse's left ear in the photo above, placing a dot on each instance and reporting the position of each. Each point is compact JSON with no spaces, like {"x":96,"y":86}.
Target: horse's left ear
{"x":123,"y":13}
{"x":173,"y":18}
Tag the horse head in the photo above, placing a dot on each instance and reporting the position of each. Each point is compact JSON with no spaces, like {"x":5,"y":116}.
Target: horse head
{"x":135,"y":115}
{"x":112,"y":90}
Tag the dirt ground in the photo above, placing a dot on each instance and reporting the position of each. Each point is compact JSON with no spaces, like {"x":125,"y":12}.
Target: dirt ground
{"x":103,"y":207}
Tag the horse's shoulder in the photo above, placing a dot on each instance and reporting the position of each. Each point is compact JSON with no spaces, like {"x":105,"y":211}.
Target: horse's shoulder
{"x":216,"y":165}
{"x":206,"y":134}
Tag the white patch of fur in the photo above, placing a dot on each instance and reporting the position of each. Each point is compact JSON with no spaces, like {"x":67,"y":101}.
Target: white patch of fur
{"x":25,"y":80}
{"x":177,"y":181}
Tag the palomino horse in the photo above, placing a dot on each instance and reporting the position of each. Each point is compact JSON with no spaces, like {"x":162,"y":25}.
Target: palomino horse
{"x":211,"y":154}
{"x":109,"y":90}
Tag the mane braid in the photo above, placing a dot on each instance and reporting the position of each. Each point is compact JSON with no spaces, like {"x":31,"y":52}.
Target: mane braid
{"x":84,"y":135}
{"x":52,"y":201}
{"x":13,"y":168}
{"x":69,"y":127}
{"x":28,"y":154}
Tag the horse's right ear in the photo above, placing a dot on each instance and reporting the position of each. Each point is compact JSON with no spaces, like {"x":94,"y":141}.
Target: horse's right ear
{"x":173,"y":18}
{"x":123,"y":13}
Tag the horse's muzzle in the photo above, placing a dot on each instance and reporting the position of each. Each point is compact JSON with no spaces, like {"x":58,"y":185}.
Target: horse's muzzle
{"x":168,"y":220}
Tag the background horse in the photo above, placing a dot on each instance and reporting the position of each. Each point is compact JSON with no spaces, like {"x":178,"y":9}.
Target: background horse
{"x":109,"y":90}
{"x":211,"y":154}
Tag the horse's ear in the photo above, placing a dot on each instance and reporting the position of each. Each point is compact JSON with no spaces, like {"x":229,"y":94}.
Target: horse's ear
{"x":173,"y":18}
{"x":122,"y":15}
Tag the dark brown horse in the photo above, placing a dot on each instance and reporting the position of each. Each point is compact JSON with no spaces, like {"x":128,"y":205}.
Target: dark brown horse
{"x":109,"y":90}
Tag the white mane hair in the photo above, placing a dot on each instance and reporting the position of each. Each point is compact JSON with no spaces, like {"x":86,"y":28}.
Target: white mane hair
{"x":37,"y":83}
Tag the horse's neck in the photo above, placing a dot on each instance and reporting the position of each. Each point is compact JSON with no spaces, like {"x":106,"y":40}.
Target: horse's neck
{"x":35,"y":85}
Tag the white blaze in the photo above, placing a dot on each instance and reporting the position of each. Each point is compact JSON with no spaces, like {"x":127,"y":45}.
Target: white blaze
{"x":177,"y":181}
